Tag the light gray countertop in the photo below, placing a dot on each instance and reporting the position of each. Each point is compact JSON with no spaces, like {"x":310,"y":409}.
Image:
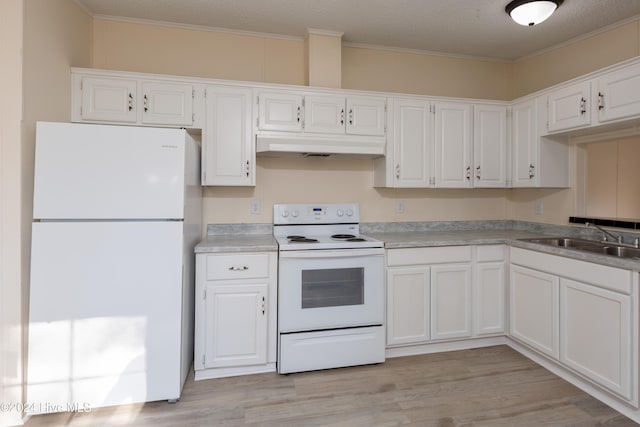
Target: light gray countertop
{"x":413,"y":235}
{"x":237,"y":243}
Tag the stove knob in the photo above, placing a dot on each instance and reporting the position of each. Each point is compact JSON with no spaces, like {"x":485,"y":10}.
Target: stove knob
{"x":285,"y":213}
{"x":340,"y":212}
{"x":294,"y":214}
{"x":349,"y":212}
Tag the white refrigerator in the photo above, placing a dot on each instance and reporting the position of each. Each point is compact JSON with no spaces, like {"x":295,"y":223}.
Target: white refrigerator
{"x":117,"y":212}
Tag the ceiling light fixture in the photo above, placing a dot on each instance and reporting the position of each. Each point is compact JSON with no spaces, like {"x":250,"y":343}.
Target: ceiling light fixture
{"x":531,"y":12}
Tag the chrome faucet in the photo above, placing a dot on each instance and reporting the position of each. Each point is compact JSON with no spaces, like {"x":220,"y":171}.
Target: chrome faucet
{"x":617,"y":239}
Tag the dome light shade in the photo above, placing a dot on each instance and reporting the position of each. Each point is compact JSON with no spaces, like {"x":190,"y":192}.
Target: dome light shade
{"x":531,"y":12}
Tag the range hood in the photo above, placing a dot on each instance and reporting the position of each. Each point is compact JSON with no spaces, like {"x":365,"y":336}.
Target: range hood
{"x":314,"y":145}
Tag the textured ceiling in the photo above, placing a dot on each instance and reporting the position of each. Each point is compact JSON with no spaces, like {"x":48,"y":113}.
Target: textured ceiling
{"x":477,"y":28}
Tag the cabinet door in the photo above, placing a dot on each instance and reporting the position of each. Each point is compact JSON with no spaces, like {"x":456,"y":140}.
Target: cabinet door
{"x":453,"y":145}
{"x":568,"y":107}
{"x":525,"y":143}
{"x":408,"y":305}
{"x":596,"y":334}
{"x":109,"y":100}
{"x":325,"y":114}
{"x":490,"y":146}
{"x":228,"y":156}
{"x":366,"y":116}
{"x":450,"y":301}
{"x":280,"y":112}
{"x":235,"y":325}
{"x":534,"y":309}
{"x":412,"y":143}
{"x":167,"y":104}
{"x":489,"y":297}
{"x":619,"y":94}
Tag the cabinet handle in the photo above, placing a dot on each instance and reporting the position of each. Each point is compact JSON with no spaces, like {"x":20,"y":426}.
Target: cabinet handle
{"x":468,"y":173}
{"x":299,"y":110}
{"x":342,"y":117}
{"x":583,"y":105}
{"x":600,"y":101}
{"x":248,"y":168}
{"x":532,"y":169}
{"x":145,"y":103}
{"x":237,"y":268}
{"x":398,"y":171}
{"x":350,"y":116}
{"x":263,"y":306}
{"x":478,"y":172}
{"x":130,"y":101}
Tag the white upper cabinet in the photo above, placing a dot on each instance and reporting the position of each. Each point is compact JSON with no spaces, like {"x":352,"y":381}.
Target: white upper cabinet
{"x":109,"y":100}
{"x":618,"y":94}
{"x":453,"y":145}
{"x":490,"y":146}
{"x":410,"y":139}
{"x":524,"y":143}
{"x":537,"y":161}
{"x":228,"y":154}
{"x":280,"y":111}
{"x":569,"y":107}
{"x":365,"y":116}
{"x":141,"y":101}
{"x":167,"y":104}
{"x":323,"y":114}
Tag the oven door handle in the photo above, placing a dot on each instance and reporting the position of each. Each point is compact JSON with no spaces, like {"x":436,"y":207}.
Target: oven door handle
{"x":328,"y":253}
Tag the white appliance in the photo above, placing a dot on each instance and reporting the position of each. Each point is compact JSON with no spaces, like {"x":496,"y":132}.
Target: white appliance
{"x":330,"y":289}
{"x":117,"y":213}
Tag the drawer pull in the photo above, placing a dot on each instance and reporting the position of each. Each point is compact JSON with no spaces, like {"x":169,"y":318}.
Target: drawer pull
{"x":243,"y":268}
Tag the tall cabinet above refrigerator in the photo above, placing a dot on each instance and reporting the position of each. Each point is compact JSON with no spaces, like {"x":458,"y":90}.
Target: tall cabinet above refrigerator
{"x":117,"y":213}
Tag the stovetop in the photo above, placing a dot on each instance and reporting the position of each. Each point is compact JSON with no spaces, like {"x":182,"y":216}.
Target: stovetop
{"x":326,"y":226}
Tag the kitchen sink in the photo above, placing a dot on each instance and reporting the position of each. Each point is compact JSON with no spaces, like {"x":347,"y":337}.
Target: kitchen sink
{"x":603,"y":248}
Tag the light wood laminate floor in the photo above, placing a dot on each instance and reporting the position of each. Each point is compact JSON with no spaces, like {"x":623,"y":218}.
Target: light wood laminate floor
{"x":494,"y":386}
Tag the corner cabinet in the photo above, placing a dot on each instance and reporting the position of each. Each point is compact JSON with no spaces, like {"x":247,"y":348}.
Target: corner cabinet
{"x":581,"y":315}
{"x":228,"y":151}
{"x":538,"y":161}
{"x":142,"y":101}
{"x":235,"y":322}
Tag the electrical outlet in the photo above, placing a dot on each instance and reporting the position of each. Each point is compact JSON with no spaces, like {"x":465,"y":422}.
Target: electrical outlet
{"x":256,"y":206}
{"x":538,"y":207}
{"x":400,"y":206}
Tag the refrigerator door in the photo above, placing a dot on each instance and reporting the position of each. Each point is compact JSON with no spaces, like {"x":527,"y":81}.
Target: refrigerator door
{"x":85,"y":171}
{"x":106,"y":303}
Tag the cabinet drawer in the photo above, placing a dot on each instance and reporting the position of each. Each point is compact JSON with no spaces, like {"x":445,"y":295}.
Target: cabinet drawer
{"x":491,"y":253}
{"x":237,"y":266}
{"x":435,"y":255}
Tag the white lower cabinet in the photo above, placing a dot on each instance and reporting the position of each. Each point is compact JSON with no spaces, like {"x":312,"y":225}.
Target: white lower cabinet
{"x":534,"y":309}
{"x":595,"y":332}
{"x":579,"y":313}
{"x":444,"y":293}
{"x":235,"y":323}
{"x":408,"y":302}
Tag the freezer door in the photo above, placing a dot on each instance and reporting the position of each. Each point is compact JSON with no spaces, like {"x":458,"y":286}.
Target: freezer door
{"x":106,"y":303}
{"x":85,"y":171}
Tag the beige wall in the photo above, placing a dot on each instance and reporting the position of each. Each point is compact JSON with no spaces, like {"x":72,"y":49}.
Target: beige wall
{"x":415,"y":73}
{"x":161,"y":49}
{"x":575,"y":59}
{"x":11,"y":13}
{"x":40,"y":40}
{"x":170,"y":50}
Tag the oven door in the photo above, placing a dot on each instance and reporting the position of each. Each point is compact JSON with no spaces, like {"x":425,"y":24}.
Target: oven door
{"x":328,"y":289}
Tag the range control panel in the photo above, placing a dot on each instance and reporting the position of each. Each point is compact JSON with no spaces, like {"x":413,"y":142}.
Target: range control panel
{"x":334,"y":213}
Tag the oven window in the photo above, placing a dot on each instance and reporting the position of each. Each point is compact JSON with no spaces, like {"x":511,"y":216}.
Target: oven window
{"x":332,"y":287}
